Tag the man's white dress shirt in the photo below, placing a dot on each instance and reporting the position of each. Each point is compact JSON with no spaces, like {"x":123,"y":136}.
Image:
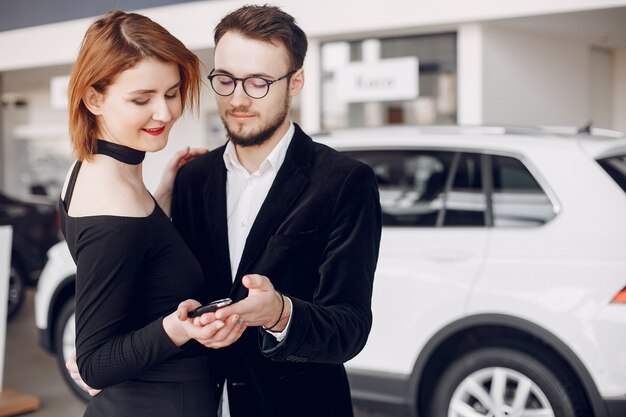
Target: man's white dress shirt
{"x":245,"y":194}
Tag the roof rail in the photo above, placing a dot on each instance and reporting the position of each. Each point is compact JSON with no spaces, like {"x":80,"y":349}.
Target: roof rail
{"x":564,"y":131}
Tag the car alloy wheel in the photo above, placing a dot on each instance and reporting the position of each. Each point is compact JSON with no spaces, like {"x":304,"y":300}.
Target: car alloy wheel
{"x":499,"y":392}
{"x":503,"y":382}
{"x":17,"y":286}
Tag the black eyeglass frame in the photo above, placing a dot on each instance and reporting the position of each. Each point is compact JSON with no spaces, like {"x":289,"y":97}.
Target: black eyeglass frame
{"x":268,"y":83}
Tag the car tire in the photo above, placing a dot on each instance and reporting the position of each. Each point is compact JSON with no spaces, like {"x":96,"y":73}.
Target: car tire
{"x":490,"y":379}
{"x":64,"y":336}
{"x":17,"y":289}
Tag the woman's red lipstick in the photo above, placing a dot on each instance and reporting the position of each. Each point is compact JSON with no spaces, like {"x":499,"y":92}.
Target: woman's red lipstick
{"x":155,"y":132}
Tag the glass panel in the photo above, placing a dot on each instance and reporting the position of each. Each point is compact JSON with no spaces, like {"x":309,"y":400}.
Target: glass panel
{"x":518,"y":200}
{"x":615,"y":166}
{"x":465,"y":203}
{"x":411,"y":184}
{"x":437,"y":78}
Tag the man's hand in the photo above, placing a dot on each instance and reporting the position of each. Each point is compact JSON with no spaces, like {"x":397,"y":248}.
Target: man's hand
{"x":211,"y":332}
{"x":262,"y":306}
{"x":72,"y":366}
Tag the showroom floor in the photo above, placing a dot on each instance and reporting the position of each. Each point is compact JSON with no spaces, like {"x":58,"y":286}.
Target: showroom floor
{"x":28,"y":369}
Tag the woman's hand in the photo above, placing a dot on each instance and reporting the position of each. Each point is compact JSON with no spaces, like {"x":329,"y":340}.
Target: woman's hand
{"x":163,"y":193}
{"x":209,"y":332}
{"x":72,"y":367}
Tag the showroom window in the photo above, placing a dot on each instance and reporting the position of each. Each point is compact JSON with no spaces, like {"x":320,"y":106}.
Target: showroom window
{"x":377,"y":82}
{"x":430,"y":188}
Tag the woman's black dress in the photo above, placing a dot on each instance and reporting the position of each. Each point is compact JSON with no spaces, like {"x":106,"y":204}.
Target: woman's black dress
{"x":132,"y":272}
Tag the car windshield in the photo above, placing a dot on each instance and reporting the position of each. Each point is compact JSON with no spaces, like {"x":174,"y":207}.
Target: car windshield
{"x":615,"y":166}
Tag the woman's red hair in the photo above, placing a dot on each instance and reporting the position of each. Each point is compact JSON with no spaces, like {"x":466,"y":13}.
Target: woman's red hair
{"x":113,"y":44}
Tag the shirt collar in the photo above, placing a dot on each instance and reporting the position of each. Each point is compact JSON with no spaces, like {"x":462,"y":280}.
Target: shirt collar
{"x":275,"y":159}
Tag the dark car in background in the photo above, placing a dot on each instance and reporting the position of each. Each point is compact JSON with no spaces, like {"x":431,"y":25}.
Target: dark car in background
{"x":35,"y":230}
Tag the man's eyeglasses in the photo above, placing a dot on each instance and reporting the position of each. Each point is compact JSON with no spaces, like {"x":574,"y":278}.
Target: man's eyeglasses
{"x":254,"y":87}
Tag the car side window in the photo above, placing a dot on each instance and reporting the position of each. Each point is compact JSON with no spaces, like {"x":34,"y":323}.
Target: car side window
{"x":411,"y":184}
{"x":518,"y":199}
{"x":415,"y":191}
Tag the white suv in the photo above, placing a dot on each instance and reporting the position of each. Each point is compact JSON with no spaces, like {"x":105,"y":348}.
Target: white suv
{"x":501,"y":284}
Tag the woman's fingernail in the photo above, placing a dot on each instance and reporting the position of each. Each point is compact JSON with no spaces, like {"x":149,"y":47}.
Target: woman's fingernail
{"x":178,"y":313}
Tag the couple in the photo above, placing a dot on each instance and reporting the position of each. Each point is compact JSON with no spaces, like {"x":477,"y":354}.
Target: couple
{"x":286,"y":228}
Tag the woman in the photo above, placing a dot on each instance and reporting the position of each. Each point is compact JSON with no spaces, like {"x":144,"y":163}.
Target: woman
{"x":130,"y":83}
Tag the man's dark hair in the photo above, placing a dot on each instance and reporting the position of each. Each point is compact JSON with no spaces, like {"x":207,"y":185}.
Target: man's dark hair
{"x":269,"y":24}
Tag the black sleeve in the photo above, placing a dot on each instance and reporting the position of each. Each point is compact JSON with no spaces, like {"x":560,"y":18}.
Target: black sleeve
{"x":109,"y":258}
{"x":335,"y":326}
{"x":187,"y":190}
{"x":180,"y":196}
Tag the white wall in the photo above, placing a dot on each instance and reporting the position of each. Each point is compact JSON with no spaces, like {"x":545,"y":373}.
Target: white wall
{"x":534,"y":79}
{"x":311,"y":95}
{"x":619,"y":90}
{"x":3,"y":151}
{"x":470,"y":74}
{"x":193,"y":22}
{"x":600,"y":87}
{"x":6,"y":234}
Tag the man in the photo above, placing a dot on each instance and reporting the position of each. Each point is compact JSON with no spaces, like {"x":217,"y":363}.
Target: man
{"x":287,"y":228}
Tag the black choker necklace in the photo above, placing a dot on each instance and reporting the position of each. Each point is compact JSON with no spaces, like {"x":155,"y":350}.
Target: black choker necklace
{"x":120,"y":152}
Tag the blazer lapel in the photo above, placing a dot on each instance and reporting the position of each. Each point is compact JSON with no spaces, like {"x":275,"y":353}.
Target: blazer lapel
{"x":291,"y":180}
{"x":217,"y":226}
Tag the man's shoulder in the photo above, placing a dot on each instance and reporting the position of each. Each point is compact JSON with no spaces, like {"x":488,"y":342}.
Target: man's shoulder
{"x":336,"y":163}
{"x":327,"y":157}
{"x":198,"y":168}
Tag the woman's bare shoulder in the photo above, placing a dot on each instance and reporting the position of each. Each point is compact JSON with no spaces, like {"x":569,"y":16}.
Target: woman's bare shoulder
{"x":99,"y":191}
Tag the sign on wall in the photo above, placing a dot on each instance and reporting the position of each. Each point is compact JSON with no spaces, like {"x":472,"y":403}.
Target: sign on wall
{"x":393,"y":79}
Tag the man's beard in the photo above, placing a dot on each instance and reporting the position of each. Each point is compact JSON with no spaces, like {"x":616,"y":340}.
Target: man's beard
{"x":263,"y":135}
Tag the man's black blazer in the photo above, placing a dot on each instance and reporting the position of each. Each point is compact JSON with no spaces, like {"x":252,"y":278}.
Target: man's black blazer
{"x":316,"y":237}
